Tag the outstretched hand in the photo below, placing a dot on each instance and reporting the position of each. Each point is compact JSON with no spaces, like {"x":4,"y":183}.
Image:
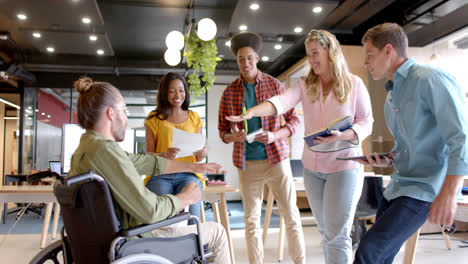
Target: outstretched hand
{"x":239,"y":118}
{"x":207,"y":167}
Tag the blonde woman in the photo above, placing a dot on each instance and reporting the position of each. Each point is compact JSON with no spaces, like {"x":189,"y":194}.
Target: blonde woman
{"x":328,"y":92}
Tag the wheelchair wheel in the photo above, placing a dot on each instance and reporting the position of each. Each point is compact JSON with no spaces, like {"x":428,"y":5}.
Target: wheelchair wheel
{"x":143,"y":259}
{"x":51,"y":254}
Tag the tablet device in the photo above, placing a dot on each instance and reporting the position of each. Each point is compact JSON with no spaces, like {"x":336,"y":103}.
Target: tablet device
{"x":381,"y":155}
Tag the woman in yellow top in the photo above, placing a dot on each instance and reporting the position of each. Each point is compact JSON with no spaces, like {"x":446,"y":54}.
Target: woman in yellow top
{"x":172,"y":112}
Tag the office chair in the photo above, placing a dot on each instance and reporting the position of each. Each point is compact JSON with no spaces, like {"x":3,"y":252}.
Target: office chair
{"x":92,"y":232}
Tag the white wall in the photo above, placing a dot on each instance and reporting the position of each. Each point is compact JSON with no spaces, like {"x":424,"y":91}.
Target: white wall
{"x":218,"y":151}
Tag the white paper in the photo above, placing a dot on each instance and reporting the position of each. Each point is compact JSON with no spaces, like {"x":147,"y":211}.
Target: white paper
{"x":187,"y":142}
{"x":250,"y":137}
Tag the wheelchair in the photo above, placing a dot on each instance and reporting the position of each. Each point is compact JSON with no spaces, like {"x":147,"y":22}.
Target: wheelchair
{"x":92,"y":232}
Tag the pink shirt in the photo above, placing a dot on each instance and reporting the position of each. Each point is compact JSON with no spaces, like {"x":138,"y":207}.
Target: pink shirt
{"x":318,"y":114}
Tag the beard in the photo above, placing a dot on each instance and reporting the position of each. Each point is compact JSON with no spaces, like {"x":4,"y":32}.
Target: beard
{"x":119,"y":129}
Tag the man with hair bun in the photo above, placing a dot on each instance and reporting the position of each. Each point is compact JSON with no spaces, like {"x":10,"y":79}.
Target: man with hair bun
{"x":101,"y":111}
{"x":266,"y":159}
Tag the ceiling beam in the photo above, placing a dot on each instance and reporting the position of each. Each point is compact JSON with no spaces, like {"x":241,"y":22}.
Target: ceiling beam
{"x":341,"y":12}
{"x":365,"y":12}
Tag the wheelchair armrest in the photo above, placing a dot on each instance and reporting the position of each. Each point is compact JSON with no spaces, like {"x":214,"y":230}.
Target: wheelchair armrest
{"x":146,"y":228}
{"x":83,"y":178}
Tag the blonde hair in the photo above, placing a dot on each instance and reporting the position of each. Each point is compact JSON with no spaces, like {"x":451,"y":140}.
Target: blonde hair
{"x":341,"y":76}
{"x":93,"y":99}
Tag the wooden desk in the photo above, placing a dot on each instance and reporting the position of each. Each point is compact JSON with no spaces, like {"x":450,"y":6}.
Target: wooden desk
{"x":215,"y":194}
{"x":34,"y":194}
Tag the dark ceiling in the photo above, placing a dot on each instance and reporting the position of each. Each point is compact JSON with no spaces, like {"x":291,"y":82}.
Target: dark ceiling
{"x":132,"y":33}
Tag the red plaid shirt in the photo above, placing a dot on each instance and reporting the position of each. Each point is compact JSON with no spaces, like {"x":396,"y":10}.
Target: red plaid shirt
{"x":231,"y":104}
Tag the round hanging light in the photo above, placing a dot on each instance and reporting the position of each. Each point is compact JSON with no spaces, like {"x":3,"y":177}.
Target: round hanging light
{"x":172,"y":57}
{"x":206,"y":29}
{"x":175,"y":40}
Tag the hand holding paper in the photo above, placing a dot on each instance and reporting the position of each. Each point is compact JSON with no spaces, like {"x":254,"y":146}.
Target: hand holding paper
{"x":187,"y":142}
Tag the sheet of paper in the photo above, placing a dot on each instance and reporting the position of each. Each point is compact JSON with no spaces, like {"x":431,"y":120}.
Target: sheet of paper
{"x":187,"y":142}
{"x":250,"y":137}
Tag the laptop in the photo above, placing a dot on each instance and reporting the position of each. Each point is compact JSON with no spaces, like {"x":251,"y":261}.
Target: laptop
{"x":55,"y":166}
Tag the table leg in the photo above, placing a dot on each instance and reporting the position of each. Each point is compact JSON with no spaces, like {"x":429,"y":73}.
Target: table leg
{"x":281,"y":239}
{"x":225,"y":223}
{"x":268,"y":210}
{"x":5,"y":212}
{"x":45,"y":227}
{"x":56,"y":219}
{"x":410,"y":248}
{"x":214,"y":206}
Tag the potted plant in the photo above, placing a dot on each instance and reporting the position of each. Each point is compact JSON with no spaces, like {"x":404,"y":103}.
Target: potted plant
{"x":201,"y":57}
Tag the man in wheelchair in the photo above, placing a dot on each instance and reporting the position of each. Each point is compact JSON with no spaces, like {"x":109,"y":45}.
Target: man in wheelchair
{"x":101,"y":111}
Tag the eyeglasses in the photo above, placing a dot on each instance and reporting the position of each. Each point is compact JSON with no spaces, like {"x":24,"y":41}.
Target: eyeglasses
{"x":323,"y":41}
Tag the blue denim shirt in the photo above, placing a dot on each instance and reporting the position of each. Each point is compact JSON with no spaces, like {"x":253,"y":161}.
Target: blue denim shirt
{"x":425,"y":112}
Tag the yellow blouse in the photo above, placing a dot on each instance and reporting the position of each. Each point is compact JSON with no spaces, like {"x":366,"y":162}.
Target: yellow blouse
{"x":163,"y":130}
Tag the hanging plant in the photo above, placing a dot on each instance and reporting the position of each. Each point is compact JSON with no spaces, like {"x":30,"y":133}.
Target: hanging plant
{"x":201,"y":57}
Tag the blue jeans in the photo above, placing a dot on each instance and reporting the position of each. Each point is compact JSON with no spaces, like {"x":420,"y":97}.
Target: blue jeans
{"x":173,"y":184}
{"x":396,"y":221}
{"x":333,"y":198}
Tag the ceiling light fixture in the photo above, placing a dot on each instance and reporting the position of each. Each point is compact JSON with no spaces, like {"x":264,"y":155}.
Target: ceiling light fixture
{"x":92,"y":37}
{"x":277,"y":47}
{"x":36,"y":34}
{"x":317,"y":9}
{"x":298,"y":29}
{"x":206,"y":29}
{"x":172,"y":57}
{"x":9,"y":103}
{"x":243,"y":27}
{"x":22,"y":16}
{"x":265,"y":58}
{"x":86,"y":20}
{"x":175,"y":40}
{"x":50,"y":49}
{"x":254,"y":6}
{"x":100,"y":52}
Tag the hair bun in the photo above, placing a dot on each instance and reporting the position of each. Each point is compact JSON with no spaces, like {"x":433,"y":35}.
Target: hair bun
{"x":83,"y":84}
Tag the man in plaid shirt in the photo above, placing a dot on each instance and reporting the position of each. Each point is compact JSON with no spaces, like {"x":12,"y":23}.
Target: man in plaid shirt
{"x":266,"y":159}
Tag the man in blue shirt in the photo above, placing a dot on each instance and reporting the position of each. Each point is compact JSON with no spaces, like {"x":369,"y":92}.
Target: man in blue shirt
{"x":424,"y":111}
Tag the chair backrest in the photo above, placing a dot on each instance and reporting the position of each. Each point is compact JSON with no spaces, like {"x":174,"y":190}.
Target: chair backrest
{"x":89,"y":217}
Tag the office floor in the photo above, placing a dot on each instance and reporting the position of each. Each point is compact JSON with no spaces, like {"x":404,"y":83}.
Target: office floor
{"x":20,"y":248}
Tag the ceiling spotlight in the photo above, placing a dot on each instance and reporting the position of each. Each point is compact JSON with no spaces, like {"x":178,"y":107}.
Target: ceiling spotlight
{"x":278,"y":47}
{"x":243,"y":27}
{"x":206,"y":29}
{"x":22,"y":16}
{"x":48,"y":116}
{"x":50,"y":49}
{"x":86,"y":20}
{"x":36,"y":34}
{"x":100,"y":52}
{"x":297,"y":29}
{"x":254,"y":6}
{"x":92,"y":37}
{"x":317,"y":9}
{"x":172,"y":57}
{"x":265,"y":58}
{"x":43,"y":113}
{"x":175,"y":40}
{"x":228,"y":43}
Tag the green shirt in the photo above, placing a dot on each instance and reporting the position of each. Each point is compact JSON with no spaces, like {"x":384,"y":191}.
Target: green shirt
{"x":255,"y":150}
{"x":134,"y":203}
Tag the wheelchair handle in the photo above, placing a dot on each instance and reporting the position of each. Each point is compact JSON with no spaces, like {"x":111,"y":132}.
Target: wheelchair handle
{"x":83,"y":178}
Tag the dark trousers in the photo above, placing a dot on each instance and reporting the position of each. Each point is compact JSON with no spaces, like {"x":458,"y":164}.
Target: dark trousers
{"x":396,"y":221}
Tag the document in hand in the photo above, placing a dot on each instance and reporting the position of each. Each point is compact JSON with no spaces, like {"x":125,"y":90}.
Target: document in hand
{"x":340,"y":124}
{"x":187,"y":142}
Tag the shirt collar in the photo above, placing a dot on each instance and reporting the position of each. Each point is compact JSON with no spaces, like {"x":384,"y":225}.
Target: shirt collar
{"x":402,"y":71}
{"x":259,"y":77}
{"x":94,"y":133}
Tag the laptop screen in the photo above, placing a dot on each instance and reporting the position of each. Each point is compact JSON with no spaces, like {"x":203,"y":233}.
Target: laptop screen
{"x":55,"y":166}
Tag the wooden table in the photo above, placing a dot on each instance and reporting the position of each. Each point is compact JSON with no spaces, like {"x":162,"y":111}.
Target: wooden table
{"x":34,"y":194}
{"x":216,"y":195}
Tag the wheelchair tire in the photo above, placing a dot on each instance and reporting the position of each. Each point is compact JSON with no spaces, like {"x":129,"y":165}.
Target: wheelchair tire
{"x":143,"y":259}
{"x":50,"y":253}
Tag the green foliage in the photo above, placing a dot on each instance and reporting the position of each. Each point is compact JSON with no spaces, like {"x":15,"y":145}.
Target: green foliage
{"x":202,"y":57}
